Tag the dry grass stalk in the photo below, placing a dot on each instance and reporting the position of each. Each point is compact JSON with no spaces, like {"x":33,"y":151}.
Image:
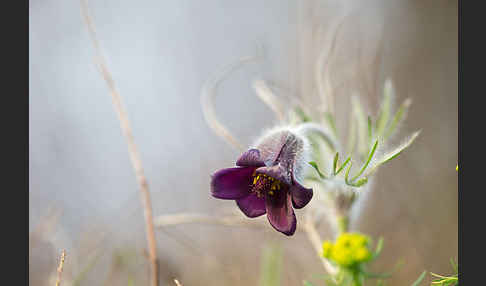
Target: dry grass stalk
{"x":132,"y":149}
{"x":316,"y":242}
{"x":208,"y":94}
{"x":267,"y":96}
{"x":59,"y":269}
{"x":186,"y":218}
{"x":177,"y":282}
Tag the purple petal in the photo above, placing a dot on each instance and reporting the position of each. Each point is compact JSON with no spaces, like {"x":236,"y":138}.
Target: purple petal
{"x":280,"y":213}
{"x":278,"y":172}
{"x":231,"y":183}
{"x":301,"y":196}
{"x":250,"y":158}
{"x":252,"y":206}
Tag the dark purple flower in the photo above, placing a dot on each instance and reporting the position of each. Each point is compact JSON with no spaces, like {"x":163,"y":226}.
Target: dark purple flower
{"x":264,"y":181}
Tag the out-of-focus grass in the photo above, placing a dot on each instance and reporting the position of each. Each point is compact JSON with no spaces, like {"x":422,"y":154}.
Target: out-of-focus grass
{"x":271,"y":266}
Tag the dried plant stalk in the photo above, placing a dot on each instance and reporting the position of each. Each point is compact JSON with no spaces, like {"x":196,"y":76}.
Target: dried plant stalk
{"x":324,"y":88}
{"x":60,"y":267}
{"x":177,"y":282}
{"x":316,"y":242}
{"x":207,"y":101}
{"x":267,"y":96}
{"x":132,"y":148}
{"x":186,"y":218}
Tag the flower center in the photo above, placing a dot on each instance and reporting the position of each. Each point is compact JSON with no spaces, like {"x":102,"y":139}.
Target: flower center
{"x":263,"y":183}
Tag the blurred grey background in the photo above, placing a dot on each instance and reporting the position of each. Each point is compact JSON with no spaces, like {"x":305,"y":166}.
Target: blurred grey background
{"x":83,"y":193}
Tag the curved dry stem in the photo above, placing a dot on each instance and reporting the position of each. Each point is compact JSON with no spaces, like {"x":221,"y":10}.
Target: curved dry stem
{"x":187,"y":218}
{"x":316,"y":242}
{"x":267,"y":96}
{"x":325,"y":88}
{"x":307,"y":226}
{"x":207,"y":101}
{"x":132,"y":148}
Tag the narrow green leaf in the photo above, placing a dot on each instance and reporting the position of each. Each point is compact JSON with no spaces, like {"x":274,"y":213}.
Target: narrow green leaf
{"x":360,"y":182}
{"x":347,"y":173}
{"x":314,"y":164}
{"x":379,"y":248}
{"x":419,"y":280}
{"x":334,"y":165}
{"x":343,"y":165}
{"x":440,"y":276}
{"x":399,"y":116}
{"x":367,"y":161}
{"x":307,"y":283}
{"x":394,"y":153}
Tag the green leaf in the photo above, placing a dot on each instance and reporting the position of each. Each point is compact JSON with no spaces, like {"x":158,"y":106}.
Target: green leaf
{"x":314,"y":164}
{"x":343,"y":165}
{"x":394,"y":153}
{"x":367,"y":161}
{"x":379,"y":248}
{"x":419,"y":280}
{"x":360,"y":182}
{"x":307,"y":283}
{"x":334,"y":164}
{"x":347,"y":173}
{"x":399,"y":116}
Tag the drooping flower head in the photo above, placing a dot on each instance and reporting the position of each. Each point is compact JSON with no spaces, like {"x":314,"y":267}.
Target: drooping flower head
{"x":266,"y":179}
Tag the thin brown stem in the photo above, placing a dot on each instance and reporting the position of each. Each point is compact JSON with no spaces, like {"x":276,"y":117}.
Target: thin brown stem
{"x":60,"y":267}
{"x":186,"y":218}
{"x":316,"y":242}
{"x":132,"y":148}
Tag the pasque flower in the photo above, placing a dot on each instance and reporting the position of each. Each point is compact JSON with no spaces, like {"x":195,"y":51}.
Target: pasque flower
{"x":266,"y":179}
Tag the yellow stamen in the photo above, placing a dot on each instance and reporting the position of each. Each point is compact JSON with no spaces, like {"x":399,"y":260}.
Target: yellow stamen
{"x":270,"y":193}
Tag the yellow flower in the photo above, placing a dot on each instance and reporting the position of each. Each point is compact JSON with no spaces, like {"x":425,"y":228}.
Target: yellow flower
{"x":349,"y":249}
